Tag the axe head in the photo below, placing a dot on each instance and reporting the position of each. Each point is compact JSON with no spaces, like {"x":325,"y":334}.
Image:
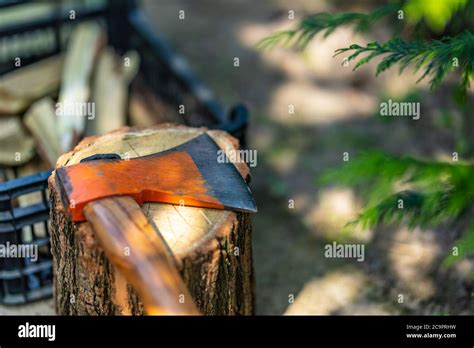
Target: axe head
{"x":189,"y":174}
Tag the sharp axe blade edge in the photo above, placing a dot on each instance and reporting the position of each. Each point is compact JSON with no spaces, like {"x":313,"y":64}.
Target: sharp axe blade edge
{"x":223,"y":180}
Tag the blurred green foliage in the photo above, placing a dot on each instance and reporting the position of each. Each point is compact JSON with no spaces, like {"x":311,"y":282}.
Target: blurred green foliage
{"x":434,"y":193}
{"x":436,"y":14}
{"x":402,"y":189}
{"x":324,"y":23}
{"x":436,"y":57}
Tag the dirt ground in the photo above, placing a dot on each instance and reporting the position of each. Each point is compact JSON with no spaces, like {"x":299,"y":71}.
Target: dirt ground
{"x":333,"y":112}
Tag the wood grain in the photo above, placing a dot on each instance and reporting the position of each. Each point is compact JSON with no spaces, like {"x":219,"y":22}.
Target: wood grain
{"x":40,"y":120}
{"x":83,"y":47}
{"x":110,"y":90}
{"x":136,"y":248}
{"x":212,"y":247}
{"x":22,"y":86}
{"x":16,"y":146}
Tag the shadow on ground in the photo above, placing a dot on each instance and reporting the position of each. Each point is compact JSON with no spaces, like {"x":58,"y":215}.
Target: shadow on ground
{"x":333,"y":113}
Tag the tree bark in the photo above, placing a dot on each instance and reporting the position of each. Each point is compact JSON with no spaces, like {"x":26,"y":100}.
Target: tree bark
{"x":213,"y":247}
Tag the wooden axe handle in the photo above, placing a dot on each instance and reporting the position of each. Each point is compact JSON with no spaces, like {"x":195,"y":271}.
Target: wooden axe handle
{"x":136,"y":248}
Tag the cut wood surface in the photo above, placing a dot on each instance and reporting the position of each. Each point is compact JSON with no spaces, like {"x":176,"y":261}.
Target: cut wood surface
{"x":16,"y":146}
{"x":20,"y":87}
{"x":212,"y":247}
{"x":110,"y":90}
{"x":40,"y":120}
{"x":82,"y":51}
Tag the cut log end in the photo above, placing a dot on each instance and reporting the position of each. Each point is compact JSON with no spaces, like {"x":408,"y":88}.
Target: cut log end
{"x":212,"y":247}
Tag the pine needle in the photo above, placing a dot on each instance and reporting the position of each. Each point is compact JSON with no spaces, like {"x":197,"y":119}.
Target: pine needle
{"x":437,"y":57}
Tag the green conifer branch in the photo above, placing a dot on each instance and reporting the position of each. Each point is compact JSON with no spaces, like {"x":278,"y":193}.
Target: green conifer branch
{"x":437,"y":57}
{"x":464,"y":247}
{"x":325,"y":23}
{"x":436,"y":192}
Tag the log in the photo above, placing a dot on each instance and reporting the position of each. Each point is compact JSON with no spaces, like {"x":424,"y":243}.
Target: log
{"x":20,"y":87}
{"x":85,"y":44}
{"x":119,"y":224}
{"x":16,"y":146}
{"x":212,"y":247}
{"x":110,"y":92}
{"x":40,"y":120}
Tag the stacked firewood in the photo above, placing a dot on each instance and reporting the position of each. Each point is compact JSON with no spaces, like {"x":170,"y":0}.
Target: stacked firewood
{"x":48,"y":106}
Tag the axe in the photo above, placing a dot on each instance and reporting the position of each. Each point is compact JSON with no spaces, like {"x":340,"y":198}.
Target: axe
{"x":107,"y":191}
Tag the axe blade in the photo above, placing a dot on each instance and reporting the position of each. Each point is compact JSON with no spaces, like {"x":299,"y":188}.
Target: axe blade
{"x":222,"y":179}
{"x":189,"y":173}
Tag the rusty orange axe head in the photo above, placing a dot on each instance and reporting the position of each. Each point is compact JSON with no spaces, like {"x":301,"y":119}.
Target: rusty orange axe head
{"x":189,"y":174}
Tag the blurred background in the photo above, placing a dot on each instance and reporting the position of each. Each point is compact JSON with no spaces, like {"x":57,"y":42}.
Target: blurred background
{"x":336,"y":110}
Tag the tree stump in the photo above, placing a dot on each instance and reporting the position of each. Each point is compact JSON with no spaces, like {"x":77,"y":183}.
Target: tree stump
{"x":213,"y":247}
